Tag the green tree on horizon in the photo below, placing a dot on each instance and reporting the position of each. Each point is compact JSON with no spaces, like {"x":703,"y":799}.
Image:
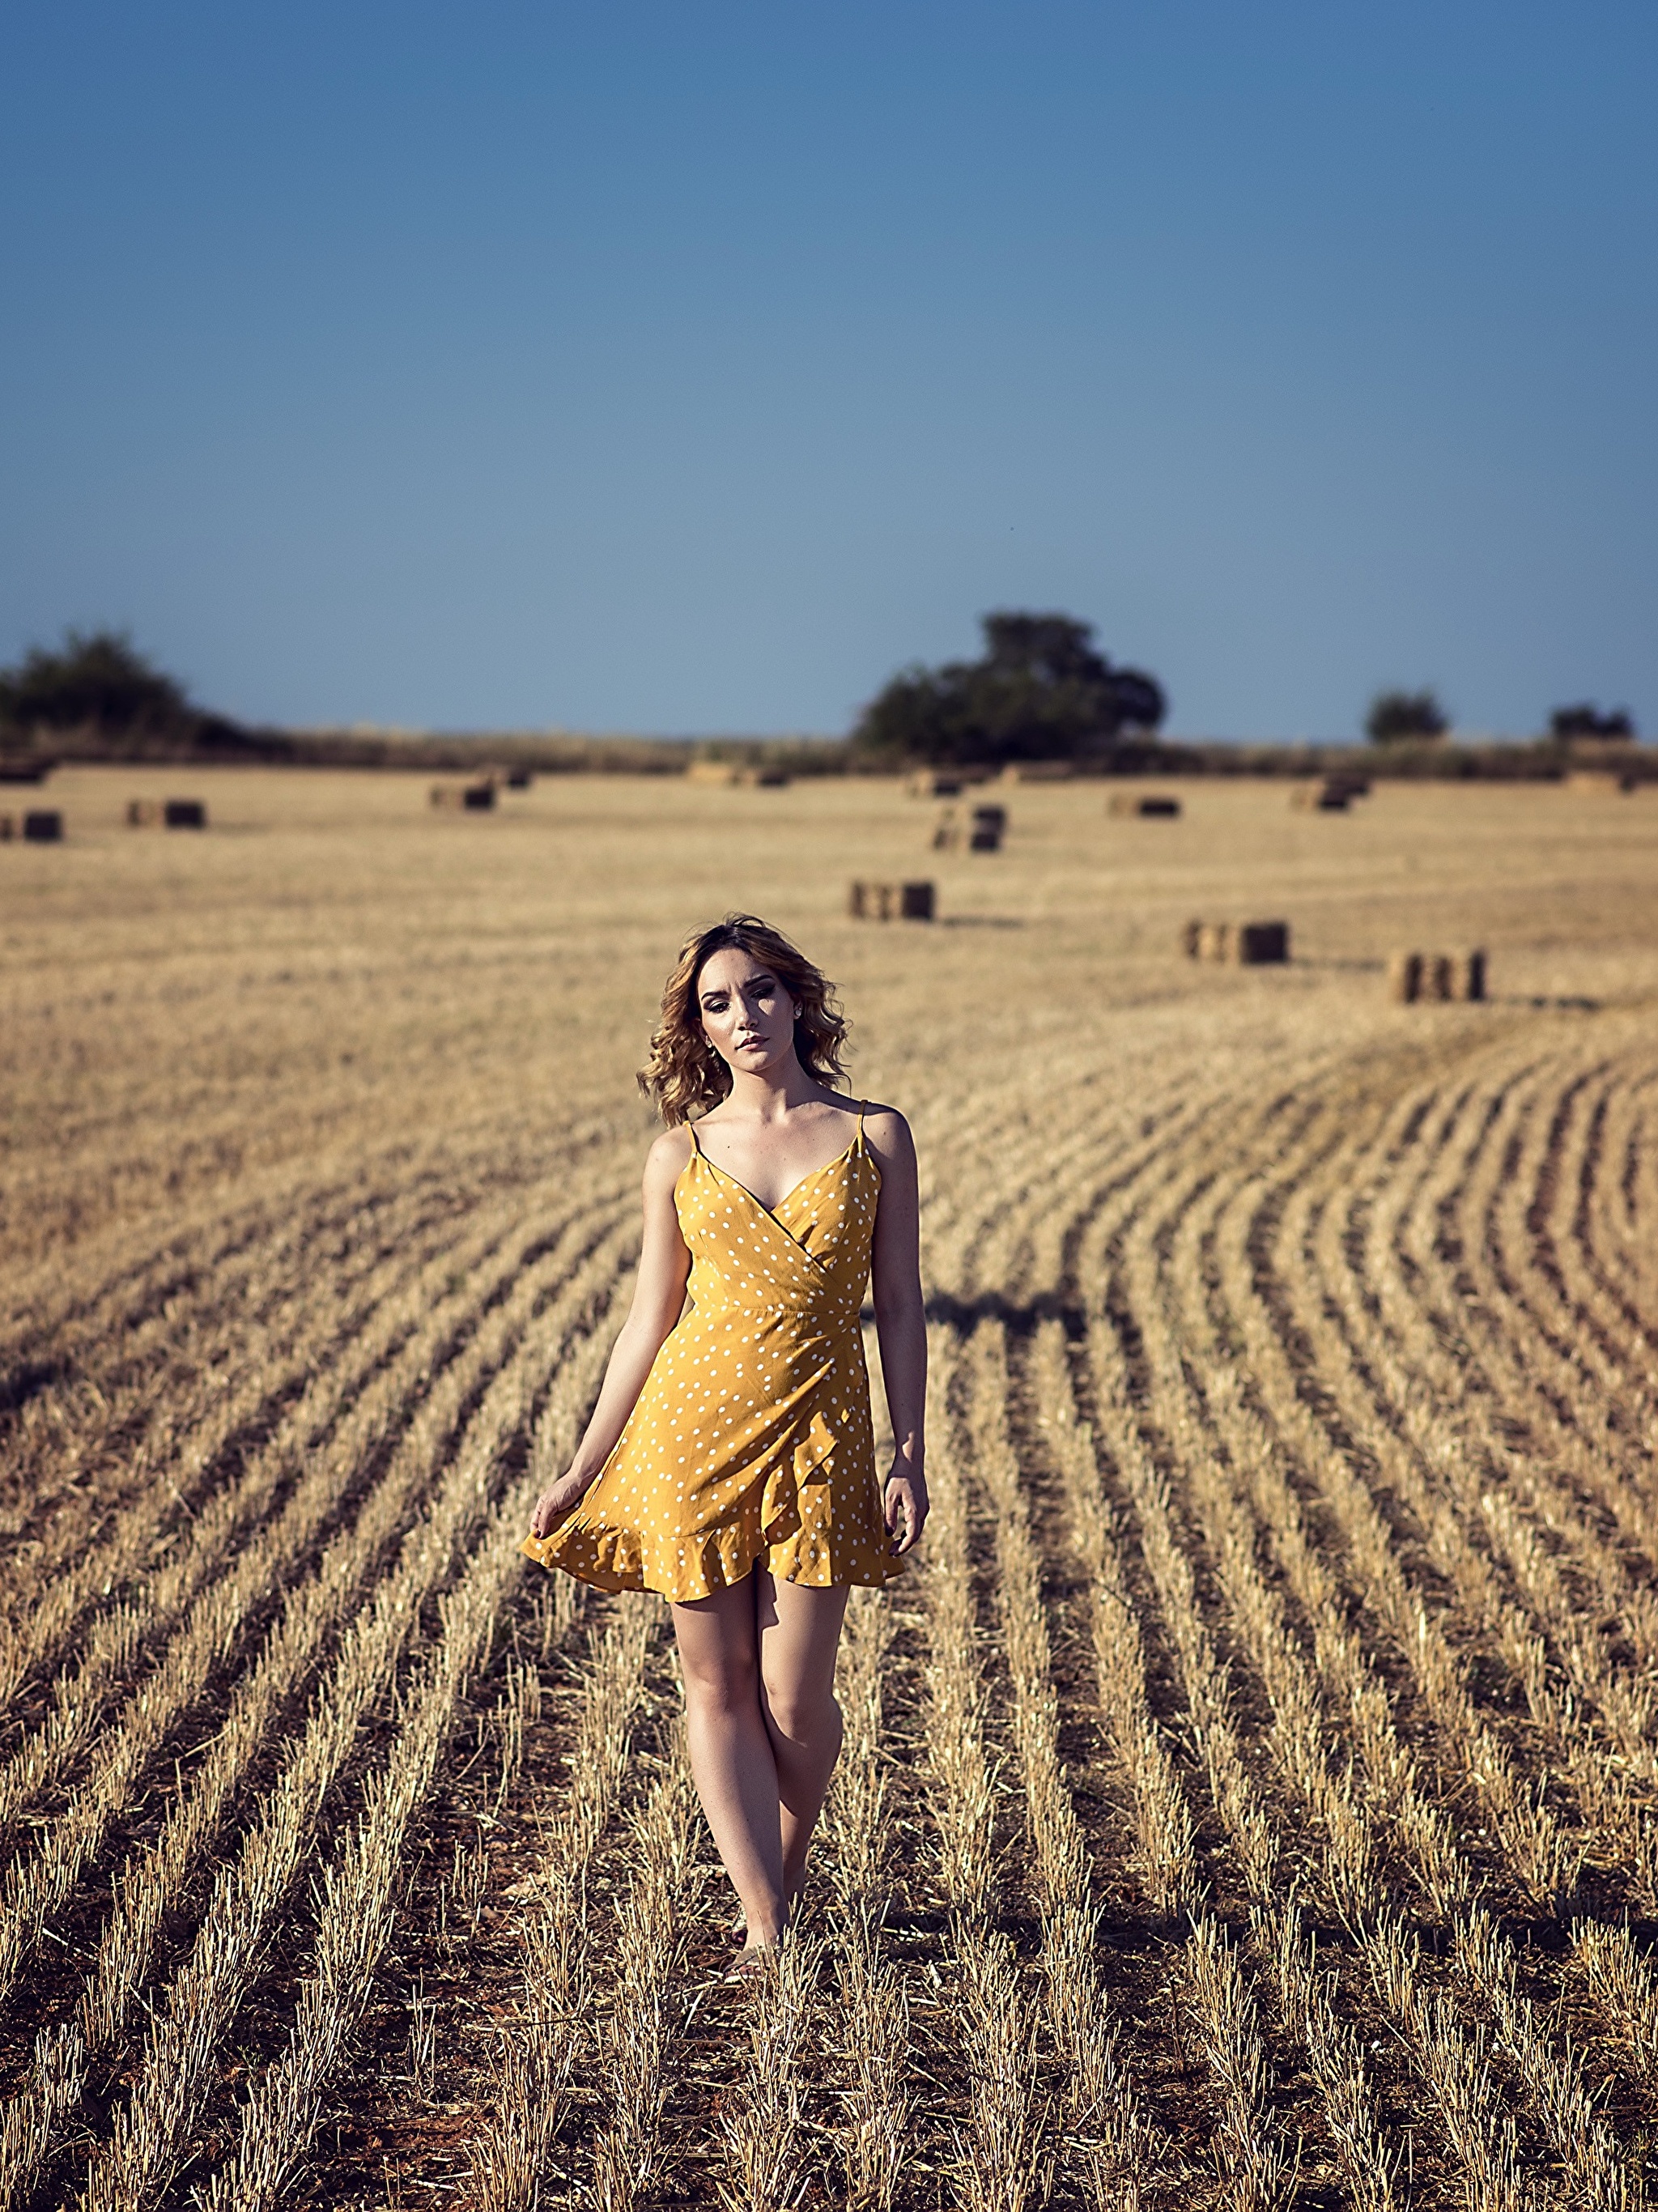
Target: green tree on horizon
{"x":1395,"y":716}
{"x":1039,"y":691}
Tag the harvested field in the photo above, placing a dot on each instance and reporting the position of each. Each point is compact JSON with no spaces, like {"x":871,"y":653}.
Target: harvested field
{"x":1250,"y":1798}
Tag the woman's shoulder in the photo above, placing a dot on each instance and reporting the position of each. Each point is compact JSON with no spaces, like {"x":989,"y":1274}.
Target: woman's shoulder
{"x":669,"y":1155}
{"x":885,"y":1131}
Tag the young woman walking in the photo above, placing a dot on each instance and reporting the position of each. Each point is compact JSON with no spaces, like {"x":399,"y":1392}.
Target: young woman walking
{"x":729,"y":1461}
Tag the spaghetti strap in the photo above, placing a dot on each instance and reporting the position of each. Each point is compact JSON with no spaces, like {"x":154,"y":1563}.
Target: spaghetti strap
{"x":858,"y":1138}
{"x":690,"y":1127}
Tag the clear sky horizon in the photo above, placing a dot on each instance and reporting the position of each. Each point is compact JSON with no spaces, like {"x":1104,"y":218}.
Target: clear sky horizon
{"x":684,"y":369}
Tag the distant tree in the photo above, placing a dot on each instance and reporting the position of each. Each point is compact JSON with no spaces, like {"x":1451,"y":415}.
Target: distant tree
{"x":1402,"y":715}
{"x":93,"y":682}
{"x":1039,"y":691}
{"x":1588,"y":721}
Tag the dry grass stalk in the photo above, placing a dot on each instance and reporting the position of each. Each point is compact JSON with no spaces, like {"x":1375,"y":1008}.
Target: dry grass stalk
{"x":1162,"y":1820}
{"x":539,"y":2047}
{"x":1598,"y":2175}
{"x":1622,"y":1987}
{"x":1055,"y":1835}
{"x":962,"y":1800}
{"x":1257,"y":2167}
{"x":311,"y":1612}
{"x":875,"y":2014}
{"x":1002,"y":2153}
{"x":852,"y":1825}
{"x":1214,"y":1737}
{"x":151,"y":2130}
{"x":764,"y":2128}
{"x":638,"y":2032}
{"x":1369,"y":2165}
{"x":1452,"y":2056}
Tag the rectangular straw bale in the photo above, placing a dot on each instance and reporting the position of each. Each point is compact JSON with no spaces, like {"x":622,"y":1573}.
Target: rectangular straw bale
{"x":882,"y":902}
{"x":184,"y":813}
{"x":1262,"y":944}
{"x":1404,"y":978}
{"x":1215,"y":939}
{"x":44,"y":826}
{"x":8,"y":827}
{"x":1438,"y":976}
{"x":144,"y":814}
{"x":1468,"y":975}
{"x":1190,"y":936}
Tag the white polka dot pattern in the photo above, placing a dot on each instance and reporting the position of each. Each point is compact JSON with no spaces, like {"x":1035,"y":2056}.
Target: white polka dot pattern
{"x":751,"y":1440}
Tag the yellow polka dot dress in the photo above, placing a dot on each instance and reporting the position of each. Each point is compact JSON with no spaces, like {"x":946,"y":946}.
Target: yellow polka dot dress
{"x":750,"y":1443}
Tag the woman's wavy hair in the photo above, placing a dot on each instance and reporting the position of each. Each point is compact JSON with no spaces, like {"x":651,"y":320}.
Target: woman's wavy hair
{"x":684,"y":1074}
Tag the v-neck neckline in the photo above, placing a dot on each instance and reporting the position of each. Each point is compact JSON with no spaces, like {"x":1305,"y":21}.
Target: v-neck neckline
{"x":772,"y":1211}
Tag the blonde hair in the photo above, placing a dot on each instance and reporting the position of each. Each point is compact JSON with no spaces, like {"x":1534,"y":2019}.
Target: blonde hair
{"x":683,"y":1073}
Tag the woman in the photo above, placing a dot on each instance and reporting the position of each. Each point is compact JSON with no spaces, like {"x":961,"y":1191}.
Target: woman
{"x":729,"y":1461}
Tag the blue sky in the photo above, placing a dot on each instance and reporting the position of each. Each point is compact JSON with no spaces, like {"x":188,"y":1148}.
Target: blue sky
{"x":692,"y":367}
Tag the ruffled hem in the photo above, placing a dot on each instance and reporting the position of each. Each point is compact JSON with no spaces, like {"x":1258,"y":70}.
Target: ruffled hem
{"x":613,"y":1556}
{"x":615,"y":1559}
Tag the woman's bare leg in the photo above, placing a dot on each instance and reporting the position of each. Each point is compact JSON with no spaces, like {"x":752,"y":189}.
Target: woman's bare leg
{"x":731,"y":1757}
{"x":799,"y":1635}
{"x":764,"y":1730}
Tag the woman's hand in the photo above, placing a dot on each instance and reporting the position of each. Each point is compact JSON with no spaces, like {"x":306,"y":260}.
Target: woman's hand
{"x":557,"y":1500}
{"x":905,"y":1507}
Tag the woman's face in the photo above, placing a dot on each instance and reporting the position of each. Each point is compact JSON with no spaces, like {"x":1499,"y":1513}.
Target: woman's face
{"x":747,"y":1015}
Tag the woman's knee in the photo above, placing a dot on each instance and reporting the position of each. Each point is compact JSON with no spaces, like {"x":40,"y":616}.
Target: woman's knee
{"x":802,"y":1712}
{"x":722,"y":1680}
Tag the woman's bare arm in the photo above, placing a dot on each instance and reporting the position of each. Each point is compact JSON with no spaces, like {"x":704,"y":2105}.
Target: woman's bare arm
{"x":659,"y":1297}
{"x":901,"y":1322}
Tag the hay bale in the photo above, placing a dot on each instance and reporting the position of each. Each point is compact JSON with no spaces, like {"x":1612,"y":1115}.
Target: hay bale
{"x":1598,"y":783}
{"x":1468,"y":975}
{"x":1215,"y":939}
{"x":8,"y":827}
{"x":519,"y":779}
{"x":184,"y":813}
{"x":144,"y":813}
{"x":1190,"y":936}
{"x":712,"y":771}
{"x":1404,"y":978}
{"x":884,"y":901}
{"x":946,"y":831}
{"x":934,"y":783}
{"x":989,"y":827}
{"x":1438,"y":976}
{"x":43,"y":825}
{"x":768,"y":778}
{"x":470,"y":798}
{"x":1262,"y":944}
{"x":1158,"y":806}
{"x":1332,"y":802}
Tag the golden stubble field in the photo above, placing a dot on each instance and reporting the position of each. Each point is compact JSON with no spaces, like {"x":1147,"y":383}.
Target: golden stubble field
{"x":1249,"y":1800}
